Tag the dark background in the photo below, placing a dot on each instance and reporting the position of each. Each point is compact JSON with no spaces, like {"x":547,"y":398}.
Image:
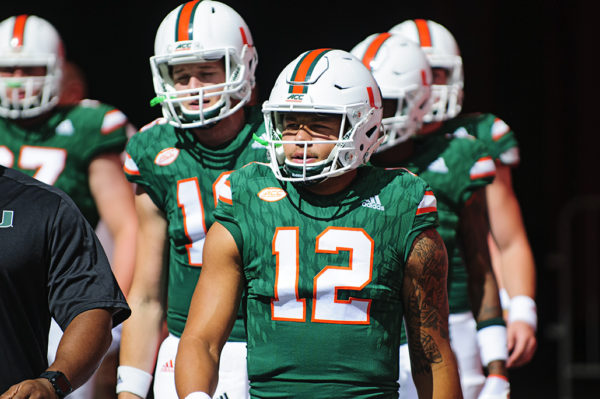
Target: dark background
{"x":529,"y":62}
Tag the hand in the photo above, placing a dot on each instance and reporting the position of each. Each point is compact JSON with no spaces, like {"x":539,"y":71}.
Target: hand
{"x":522,"y":343}
{"x":39,"y":388}
{"x":495,"y":387}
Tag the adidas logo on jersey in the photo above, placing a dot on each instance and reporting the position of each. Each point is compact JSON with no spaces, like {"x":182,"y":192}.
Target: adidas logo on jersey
{"x":168,"y":367}
{"x":373,"y":203}
{"x":65,"y":128}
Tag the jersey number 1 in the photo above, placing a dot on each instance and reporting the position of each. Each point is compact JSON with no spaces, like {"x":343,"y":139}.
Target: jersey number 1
{"x":326,"y":307}
{"x":189,"y":200}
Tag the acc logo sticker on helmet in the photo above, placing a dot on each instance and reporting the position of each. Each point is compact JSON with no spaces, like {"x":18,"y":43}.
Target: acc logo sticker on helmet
{"x":295,"y":98}
{"x":271,"y":194}
{"x":167,"y":156}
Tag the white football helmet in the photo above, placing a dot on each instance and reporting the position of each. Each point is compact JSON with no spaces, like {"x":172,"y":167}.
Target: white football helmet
{"x":442,"y":52}
{"x":202,"y":31}
{"x":29,"y":41}
{"x":325,"y":81}
{"x":403,"y":74}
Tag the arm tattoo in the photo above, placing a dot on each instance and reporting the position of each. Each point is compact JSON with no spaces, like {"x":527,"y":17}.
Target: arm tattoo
{"x":427,"y":300}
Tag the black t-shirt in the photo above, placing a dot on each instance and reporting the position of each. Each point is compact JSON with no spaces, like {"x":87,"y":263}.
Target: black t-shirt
{"x":51,"y":264}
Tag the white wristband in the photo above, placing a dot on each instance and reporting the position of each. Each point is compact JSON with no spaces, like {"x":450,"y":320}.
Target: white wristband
{"x":134,"y":380}
{"x":492,"y":344}
{"x":522,"y":308}
{"x":198,"y":395}
{"x":504,"y":299}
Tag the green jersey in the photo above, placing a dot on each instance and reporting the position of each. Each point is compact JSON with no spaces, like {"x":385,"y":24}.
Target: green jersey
{"x":454,"y":167}
{"x":492,"y":131}
{"x":182,"y":177}
{"x":59,"y":150}
{"x":324,"y":279}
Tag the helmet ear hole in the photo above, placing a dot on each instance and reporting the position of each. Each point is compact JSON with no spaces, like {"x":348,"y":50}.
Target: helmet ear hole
{"x":370,"y":132}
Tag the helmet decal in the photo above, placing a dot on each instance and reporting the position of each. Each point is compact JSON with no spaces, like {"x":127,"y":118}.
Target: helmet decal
{"x":424,"y":34}
{"x":244,"y":37}
{"x":371,"y":96}
{"x":304,"y":69}
{"x":424,"y":78}
{"x":185,"y":21}
{"x":18,"y":31}
{"x":373,"y":48}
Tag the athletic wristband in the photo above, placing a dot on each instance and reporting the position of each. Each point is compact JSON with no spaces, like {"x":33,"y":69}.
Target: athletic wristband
{"x":504,"y":299}
{"x":496,"y":387}
{"x":134,"y":380}
{"x":494,"y":321}
{"x":492,"y":344}
{"x":198,"y":395}
{"x":502,"y":377}
{"x":522,"y":308}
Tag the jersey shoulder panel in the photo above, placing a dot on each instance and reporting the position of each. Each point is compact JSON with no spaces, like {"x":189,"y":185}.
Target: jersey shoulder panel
{"x":494,"y":132}
{"x":144,"y":148}
{"x":457,"y":166}
{"x":101,"y":126}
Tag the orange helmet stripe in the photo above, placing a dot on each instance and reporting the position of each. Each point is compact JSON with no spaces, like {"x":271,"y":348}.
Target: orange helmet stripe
{"x":19,"y":31}
{"x":244,"y":37}
{"x":373,"y":48}
{"x":371,"y":96}
{"x":185,"y":21}
{"x":304,"y":69}
{"x":424,"y":34}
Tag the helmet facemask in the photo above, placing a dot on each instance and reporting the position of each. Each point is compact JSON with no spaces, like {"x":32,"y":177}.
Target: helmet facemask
{"x":233,"y":94}
{"x":407,"y":109}
{"x":31,"y":45}
{"x":447,"y":98}
{"x":353,"y":147}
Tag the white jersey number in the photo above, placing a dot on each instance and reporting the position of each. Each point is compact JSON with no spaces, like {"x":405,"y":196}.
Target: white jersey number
{"x":189,"y":199}
{"x":47,"y":162}
{"x":326,"y":308}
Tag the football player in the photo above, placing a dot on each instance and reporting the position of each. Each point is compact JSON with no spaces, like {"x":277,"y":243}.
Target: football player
{"x":203,"y":72}
{"x":512,"y":257}
{"x":458,"y":170}
{"x":74,"y":146}
{"x":329,"y":253}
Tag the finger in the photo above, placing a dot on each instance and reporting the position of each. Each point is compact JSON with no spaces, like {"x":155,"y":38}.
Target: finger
{"x":510,"y":342}
{"x":10,"y":392}
{"x":517,"y":352}
{"x":527,"y":353}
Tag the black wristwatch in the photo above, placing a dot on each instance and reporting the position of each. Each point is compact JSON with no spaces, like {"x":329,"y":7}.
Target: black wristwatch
{"x":59,"y":381}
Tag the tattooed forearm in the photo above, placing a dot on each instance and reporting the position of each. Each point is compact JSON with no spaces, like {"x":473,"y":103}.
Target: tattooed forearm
{"x":426,"y":299}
